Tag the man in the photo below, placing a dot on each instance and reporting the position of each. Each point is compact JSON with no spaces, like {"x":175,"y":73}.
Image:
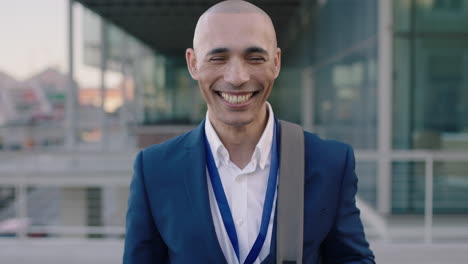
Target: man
{"x":200,"y":197}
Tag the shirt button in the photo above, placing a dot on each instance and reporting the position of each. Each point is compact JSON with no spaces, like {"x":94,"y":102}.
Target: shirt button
{"x":239,"y":222}
{"x":239,"y":178}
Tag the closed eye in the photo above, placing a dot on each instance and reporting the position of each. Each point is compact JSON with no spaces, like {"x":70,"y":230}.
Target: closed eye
{"x":257,"y":59}
{"x":217,"y":59}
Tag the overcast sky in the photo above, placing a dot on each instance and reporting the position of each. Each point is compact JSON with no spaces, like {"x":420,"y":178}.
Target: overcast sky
{"x":33,"y":36}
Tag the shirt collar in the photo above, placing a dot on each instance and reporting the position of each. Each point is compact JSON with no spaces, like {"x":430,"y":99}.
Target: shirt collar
{"x":262,"y":152}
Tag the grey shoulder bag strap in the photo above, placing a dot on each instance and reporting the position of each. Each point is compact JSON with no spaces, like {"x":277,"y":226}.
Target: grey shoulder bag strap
{"x":290,"y":222}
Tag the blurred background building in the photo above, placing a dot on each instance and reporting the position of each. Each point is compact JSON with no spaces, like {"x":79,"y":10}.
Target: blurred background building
{"x":388,"y":77}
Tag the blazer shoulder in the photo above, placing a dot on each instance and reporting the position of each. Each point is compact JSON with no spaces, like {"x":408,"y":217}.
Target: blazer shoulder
{"x":167,"y":147}
{"x":325,"y":150}
{"x":313,"y":139}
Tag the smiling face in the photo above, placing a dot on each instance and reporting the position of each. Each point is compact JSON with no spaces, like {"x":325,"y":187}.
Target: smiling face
{"x":235,"y":61}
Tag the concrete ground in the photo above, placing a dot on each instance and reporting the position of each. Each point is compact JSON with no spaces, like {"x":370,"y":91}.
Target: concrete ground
{"x":79,"y":251}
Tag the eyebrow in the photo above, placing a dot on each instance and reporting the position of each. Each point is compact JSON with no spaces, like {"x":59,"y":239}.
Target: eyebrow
{"x":256,"y":50}
{"x":217,"y":50}
{"x":253,"y":49}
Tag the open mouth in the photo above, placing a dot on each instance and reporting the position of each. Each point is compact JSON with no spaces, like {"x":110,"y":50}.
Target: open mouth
{"x":236,"y":99}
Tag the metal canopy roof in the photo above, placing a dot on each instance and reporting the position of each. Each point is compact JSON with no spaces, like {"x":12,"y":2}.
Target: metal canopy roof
{"x":167,"y":25}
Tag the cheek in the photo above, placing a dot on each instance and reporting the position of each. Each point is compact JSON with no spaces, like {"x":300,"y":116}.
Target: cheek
{"x":205,"y":91}
{"x":267,"y":78}
{"x":268,"y":69}
{"x":208,"y":76}
{"x":272,"y":70}
{"x":264,"y":75}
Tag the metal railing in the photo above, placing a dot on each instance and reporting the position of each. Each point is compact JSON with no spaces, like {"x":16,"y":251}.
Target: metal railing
{"x":379,"y":222}
{"x":23,"y":170}
{"x":26,"y":170}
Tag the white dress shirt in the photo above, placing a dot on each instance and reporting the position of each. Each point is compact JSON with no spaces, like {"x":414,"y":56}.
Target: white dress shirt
{"x":245,"y":192}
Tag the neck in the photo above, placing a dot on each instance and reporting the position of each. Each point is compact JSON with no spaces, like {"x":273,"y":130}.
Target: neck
{"x":240,"y":141}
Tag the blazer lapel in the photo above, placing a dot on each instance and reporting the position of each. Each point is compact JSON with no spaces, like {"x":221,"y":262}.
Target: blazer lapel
{"x":197,"y":190}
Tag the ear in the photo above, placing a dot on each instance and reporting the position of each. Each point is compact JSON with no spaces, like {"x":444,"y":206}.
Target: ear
{"x":277,"y":62}
{"x":191,"y":63}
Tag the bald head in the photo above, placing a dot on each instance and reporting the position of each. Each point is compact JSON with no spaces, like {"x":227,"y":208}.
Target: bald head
{"x":235,"y":6}
{"x":228,"y":9}
{"x":235,"y":58}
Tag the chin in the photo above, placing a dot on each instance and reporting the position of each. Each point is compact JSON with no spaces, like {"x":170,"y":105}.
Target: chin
{"x":236,"y":121}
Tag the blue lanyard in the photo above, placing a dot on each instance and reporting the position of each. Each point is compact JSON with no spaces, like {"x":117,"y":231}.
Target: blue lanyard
{"x":223,"y":204}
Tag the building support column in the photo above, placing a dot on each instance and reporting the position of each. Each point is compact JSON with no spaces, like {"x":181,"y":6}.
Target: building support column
{"x":71,"y":96}
{"x":384,"y":95}
{"x":103,"y":68}
{"x":139,"y":93}
{"x":124,"y":116}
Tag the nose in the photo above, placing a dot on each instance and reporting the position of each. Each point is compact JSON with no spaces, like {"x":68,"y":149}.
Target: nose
{"x":236,"y":73}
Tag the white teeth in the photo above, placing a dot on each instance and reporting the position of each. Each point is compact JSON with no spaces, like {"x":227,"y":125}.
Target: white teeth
{"x":234,"y":99}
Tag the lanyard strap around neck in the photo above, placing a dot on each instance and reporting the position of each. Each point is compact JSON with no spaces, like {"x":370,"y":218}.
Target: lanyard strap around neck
{"x":223,"y":204}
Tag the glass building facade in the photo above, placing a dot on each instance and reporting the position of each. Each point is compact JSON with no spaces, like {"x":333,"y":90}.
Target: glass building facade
{"x":389,"y":77}
{"x":329,"y":83}
{"x":430,"y":101}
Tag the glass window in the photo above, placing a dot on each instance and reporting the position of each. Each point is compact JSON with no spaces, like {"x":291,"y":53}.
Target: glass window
{"x":336,"y":54}
{"x":450,"y":187}
{"x":8,"y":209}
{"x":430,"y":100}
{"x":367,"y":183}
{"x":343,"y":61}
{"x":430,"y":93}
{"x":408,"y":187}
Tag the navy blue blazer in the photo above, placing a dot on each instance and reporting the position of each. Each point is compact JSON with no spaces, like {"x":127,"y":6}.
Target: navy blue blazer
{"x":169,"y":218}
